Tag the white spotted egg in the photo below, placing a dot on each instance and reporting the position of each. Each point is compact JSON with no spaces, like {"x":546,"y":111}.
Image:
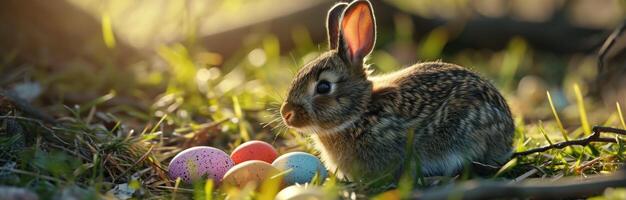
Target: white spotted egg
{"x":303,"y":192}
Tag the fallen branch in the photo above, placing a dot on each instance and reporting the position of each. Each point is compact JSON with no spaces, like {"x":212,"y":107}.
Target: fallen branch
{"x":594,"y":137}
{"x":607,"y":46}
{"x":611,"y":48}
{"x":569,"y":187}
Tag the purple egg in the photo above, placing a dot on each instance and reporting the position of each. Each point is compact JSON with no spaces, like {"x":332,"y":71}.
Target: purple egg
{"x":200,"y":162}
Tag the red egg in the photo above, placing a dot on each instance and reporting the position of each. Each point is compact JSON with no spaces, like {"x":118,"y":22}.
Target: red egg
{"x":254,"y":150}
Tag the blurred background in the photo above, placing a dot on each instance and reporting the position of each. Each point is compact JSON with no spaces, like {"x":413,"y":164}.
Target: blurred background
{"x":190,"y":59}
{"x":214,"y":72}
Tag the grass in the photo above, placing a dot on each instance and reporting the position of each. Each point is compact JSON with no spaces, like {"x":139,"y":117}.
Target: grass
{"x":132,"y":127}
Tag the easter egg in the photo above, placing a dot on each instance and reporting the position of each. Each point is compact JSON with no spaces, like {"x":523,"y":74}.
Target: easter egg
{"x":300,"y":192}
{"x":303,"y":167}
{"x":249,"y":171}
{"x":200,"y":162}
{"x":254,"y":150}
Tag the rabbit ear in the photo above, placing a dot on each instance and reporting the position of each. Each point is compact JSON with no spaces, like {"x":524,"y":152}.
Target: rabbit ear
{"x":332,"y":23}
{"x":357,"y":32}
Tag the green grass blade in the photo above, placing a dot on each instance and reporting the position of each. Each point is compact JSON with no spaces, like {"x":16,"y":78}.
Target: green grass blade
{"x":520,"y":134}
{"x":97,"y":101}
{"x":331,"y":187}
{"x":620,"y":115}
{"x":281,"y":174}
{"x":208,"y":189}
{"x":543,"y":132}
{"x":107,"y":31}
{"x":269,"y":188}
{"x":620,"y":147}
{"x":243,"y":131}
{"x":176,"y":185}
{"x":407,"y":180}
{"x":581,"y":110}
{"x":556,"y":116}
{"x":508,"y":166}
{"x":156,"y":126}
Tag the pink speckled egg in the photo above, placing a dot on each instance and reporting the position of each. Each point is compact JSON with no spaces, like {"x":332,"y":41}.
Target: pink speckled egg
{"x":254,"y":150}
{"x":200,"y":162}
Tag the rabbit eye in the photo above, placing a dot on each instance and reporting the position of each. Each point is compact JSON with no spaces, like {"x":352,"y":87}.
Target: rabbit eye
{"x":323,"y":87}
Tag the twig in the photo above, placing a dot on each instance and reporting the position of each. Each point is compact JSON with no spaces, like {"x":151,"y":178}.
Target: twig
{"x":524,"y":176}
{"x":569,"y":187}
{"x":604,"y":51}
{"x":606,"y":47}
{"x":594,"y":137}
{"x":586,"y":165}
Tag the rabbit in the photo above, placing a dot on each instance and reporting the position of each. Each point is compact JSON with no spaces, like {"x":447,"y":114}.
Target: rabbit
{"x":360,"y":123}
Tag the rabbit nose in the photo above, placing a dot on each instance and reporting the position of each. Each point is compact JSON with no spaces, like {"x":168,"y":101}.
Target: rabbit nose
{"x":288,"y":115}
{"x":287,"y":112}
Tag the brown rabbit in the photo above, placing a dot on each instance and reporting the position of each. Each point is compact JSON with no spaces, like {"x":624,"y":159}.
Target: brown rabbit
{"x":360,"y":123}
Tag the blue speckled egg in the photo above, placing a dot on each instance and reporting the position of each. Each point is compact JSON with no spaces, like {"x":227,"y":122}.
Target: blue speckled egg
{"x":198,"y":162}
{"x":303,"y":167}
